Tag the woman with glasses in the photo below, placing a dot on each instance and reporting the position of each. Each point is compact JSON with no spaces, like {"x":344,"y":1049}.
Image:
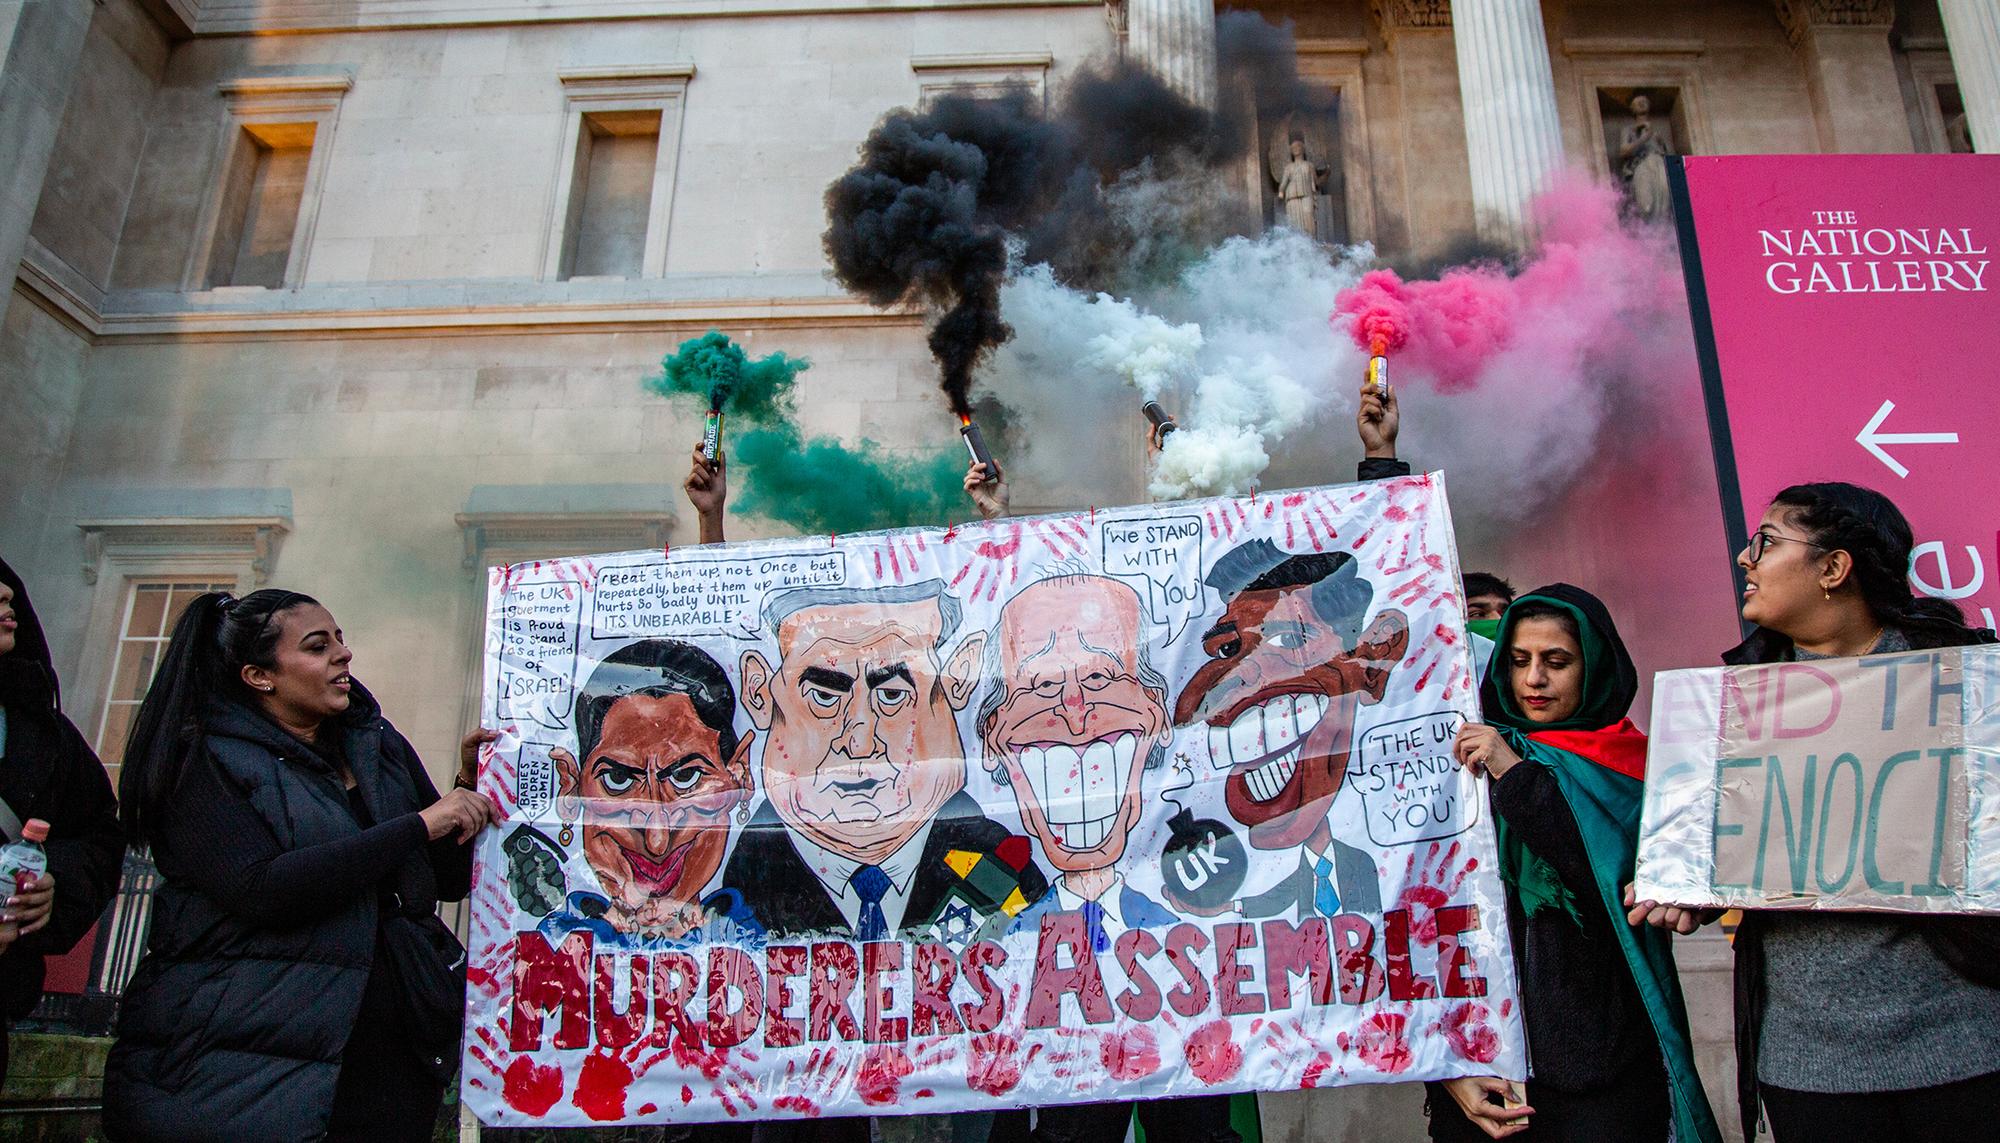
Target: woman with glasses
{"x":1854,"y":1026}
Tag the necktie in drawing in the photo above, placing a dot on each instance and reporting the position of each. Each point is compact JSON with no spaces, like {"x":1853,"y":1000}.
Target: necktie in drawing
{"x":1093,"y":924}
{"x":871,"y":883}
{"x":1326,"y":898}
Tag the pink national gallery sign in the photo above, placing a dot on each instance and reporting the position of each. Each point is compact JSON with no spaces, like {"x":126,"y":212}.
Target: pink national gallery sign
{"x":1848,"y":314}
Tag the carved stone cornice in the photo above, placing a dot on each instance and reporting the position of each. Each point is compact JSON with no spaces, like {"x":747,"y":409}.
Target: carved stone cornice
{"x":253,"y":539}
{"x":1401,"y":15}
{"x":1801,"y":16}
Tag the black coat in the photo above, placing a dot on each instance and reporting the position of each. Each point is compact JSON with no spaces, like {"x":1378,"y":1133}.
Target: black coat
{"x":788,"y":899}
{"x":264,"y":927}
{"x":48,"y":771}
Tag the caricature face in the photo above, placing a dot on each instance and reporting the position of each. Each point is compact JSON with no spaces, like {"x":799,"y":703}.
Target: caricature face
{"x":1077,"y":722}
{"x":863,"y":745}
{"x":1279,"y":694}
{"x":654,"y":796}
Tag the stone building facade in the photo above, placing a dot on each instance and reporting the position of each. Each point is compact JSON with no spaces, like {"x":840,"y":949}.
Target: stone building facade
{"x":355,"y":295}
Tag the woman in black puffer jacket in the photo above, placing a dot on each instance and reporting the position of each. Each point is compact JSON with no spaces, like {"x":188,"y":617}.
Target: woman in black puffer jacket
{"x":297,"y":983}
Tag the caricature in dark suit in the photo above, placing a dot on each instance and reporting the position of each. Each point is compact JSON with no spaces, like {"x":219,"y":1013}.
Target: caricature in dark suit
{"x":865,"y":829}
{"x":1289,"y":667}
{"x":1075,"y":718}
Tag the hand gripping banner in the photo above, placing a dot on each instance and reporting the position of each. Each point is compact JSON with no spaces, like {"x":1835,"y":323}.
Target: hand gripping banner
{"x":1117,"y":805}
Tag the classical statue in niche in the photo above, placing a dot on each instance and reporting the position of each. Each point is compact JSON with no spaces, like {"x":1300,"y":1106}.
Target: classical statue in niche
{"x":1300,"y":183}
{"x":1643,"y":148}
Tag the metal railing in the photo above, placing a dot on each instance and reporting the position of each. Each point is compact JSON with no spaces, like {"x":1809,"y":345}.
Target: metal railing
{"x":121,"y":941}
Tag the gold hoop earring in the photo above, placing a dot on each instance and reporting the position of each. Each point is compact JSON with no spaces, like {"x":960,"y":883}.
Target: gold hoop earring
{"x":565,"y":835}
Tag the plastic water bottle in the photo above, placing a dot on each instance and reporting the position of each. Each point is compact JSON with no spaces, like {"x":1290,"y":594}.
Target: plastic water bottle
{"x":23,"y":861}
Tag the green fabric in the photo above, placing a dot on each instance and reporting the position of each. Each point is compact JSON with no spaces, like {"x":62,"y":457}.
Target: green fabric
{"x":1530,"y":879}
{"x":1606,"y":807}
{"x":1602,"y":703}
{"x":1488,"y":629}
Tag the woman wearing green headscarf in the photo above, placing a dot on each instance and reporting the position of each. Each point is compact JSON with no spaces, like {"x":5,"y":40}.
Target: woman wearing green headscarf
{"x":1607,"y":1029}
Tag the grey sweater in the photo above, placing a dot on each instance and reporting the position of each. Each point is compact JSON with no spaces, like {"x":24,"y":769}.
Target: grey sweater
{"x":1860,"y":1002}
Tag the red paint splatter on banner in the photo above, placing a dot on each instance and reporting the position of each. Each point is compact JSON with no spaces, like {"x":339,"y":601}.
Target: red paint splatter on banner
{"x":600,"y":1087}
{"x":687,"y":1095}
{"x":797,"y":1103}
{"x":1434,"y":886}
{"x":532,"y":1088}
{"x":881,"y":1071}
{"x":1464,"y":1027}
{"x":1131,"y":1054}
{"x":649,"y":1108}
{"x":1380,"y":1043}
{"x":710,"y":1061}
{"x":1316,"y":1070}
{"x":991,"y":1065}
{"x":1507,"y":1007}
{"x":1213,"y":1054}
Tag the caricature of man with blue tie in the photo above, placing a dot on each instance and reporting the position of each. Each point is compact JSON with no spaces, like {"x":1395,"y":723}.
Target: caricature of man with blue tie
{"x":1075,"y":719}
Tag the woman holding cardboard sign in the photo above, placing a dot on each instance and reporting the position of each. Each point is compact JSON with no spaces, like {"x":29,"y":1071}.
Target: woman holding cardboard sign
{"x":1854,"y":1026}
{"x":1606,"y":1024}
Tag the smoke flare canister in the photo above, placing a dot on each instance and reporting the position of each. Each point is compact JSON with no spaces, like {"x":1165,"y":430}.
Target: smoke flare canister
{"x":976,"y":445}
{"x":1163,"y":421}
{"x":711,"y":435}
{"x":1378,"y":365}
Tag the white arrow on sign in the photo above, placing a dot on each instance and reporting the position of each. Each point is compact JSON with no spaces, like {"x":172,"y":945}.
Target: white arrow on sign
{"x":1873,"y":441}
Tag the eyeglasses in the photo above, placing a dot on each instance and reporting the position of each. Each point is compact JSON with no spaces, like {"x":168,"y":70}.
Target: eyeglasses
{"x":1761,"y":541}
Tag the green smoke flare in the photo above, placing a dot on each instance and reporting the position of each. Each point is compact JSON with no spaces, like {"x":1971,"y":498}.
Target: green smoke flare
{"x":818,"y":485}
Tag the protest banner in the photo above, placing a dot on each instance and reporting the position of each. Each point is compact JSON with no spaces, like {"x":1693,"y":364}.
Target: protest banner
{"x":1865,"y":784}
{"x":1121,"y":804}
{"x":1858,"y":289}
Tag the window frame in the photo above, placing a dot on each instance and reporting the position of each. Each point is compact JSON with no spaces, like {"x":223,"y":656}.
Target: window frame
{"x":254,"y":103}
{"x":656,"y":87}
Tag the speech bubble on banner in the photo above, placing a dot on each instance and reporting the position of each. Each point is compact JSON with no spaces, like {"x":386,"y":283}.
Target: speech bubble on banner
{"x":1412,"y":789}
{"x":701,"y":595}
{"x":537,"y":653}
{"x":1149,"y":554}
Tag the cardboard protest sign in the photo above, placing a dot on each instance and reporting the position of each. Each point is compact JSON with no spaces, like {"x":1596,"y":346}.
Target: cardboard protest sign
{"x":1870,"y":783}
{"x":1118,"y":805}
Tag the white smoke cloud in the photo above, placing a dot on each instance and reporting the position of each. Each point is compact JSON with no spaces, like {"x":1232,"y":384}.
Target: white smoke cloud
{"x":1237,"y":347}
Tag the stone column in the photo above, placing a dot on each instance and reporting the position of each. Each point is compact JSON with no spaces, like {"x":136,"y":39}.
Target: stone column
{"x":1513,"y":137}
{"x":1175,"y":40}
{"x":40,"y":42}
{"x":1857,"y":99}
{"x":1428,"y":205}
{"x":1972,"y":28}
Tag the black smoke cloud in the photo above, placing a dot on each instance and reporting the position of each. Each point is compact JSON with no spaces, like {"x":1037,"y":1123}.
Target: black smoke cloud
{"x":1123,"y":182}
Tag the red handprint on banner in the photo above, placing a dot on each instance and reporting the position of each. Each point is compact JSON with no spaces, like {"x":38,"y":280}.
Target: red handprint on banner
{"x":1438,"y":880}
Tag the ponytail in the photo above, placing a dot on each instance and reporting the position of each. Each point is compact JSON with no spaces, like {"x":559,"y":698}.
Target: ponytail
{"x":1874,"y":533}
{"x":214,"y":639}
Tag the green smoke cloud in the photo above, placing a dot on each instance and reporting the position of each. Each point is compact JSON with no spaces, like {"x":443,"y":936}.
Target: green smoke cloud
{"x":715,"y":370}
{"x":816,"y":485}
{"x":821,"y":485}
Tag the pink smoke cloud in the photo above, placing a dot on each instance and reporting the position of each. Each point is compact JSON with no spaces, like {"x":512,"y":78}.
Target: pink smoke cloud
{"x":1563,"y":306}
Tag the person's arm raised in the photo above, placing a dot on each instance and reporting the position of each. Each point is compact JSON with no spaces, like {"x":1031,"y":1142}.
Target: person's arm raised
{"x":991,"y":496}
{"x":1378,"y":421}
{"x":707,"y":487}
